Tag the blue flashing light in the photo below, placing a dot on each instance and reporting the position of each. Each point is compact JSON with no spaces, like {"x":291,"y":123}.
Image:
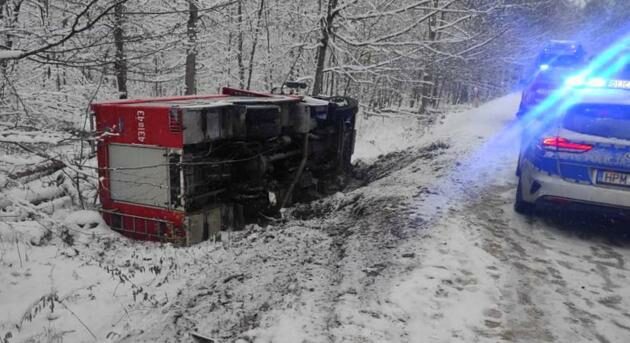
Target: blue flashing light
{"x":581,"y":81}
{"x":597,"y":82}
{"x":544,"y":67}
{"x":575,"y":81}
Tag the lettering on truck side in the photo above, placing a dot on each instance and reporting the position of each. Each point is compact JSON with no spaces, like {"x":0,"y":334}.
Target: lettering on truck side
{"x":142,"y":133}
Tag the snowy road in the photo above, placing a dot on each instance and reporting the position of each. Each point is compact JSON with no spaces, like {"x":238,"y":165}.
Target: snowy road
{"x":424,"y":248}
{"x":484,"y":274}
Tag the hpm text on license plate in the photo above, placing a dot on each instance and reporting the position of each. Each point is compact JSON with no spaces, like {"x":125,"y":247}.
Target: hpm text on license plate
{"x":613,"y":178}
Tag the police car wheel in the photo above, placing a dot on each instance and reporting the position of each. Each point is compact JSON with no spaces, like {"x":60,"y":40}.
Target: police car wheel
{"x":520,"y":205}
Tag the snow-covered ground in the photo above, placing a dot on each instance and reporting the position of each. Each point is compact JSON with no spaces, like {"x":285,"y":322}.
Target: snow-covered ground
{"x":382,"y":134}
{"x":423,"y":247}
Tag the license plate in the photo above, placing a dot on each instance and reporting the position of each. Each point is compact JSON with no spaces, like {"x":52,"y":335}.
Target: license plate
{"x":625,"y":84}
{"x":613,"y":178}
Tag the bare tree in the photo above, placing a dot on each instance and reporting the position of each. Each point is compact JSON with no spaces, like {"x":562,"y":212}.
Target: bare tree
{"x":120,"y":66}
{"x":191,"y":55}
{"x":252,"y":54}
{"x":326,"y":27}
{"x":239,"y":43}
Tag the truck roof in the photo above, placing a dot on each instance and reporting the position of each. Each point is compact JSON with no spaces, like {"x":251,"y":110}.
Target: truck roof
{"x":227,"y":97}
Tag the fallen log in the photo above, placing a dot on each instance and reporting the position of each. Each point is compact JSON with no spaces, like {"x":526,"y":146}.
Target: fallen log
{"x":38,"y":171}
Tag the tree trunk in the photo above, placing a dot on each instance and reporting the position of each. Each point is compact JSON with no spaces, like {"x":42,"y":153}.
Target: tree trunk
{"x":269,"y":74}
{"x":427,"y":87}
{"x":120,"y":65}
{"x":330,"y":87}
{"x":325,"y":29}
{"x":156,"y":70}
{"x":254,"y":43}
{"x":191,"y":55}
{"x":241,"y":67}
{"x":3,"y":65}
{"x":11,"y":18}
{"x":228,"y":61}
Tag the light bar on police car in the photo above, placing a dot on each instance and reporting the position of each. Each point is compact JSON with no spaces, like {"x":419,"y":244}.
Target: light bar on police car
{"x":596,"y":82}
{"x":575,"y":81}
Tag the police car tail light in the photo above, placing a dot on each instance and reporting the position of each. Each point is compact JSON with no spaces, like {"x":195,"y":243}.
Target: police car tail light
{"x":564,"y":145}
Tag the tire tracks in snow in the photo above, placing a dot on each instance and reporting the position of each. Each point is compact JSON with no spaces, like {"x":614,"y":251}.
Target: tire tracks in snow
{"x":523,"y":319}
{"x":534,"y":280}
{"x":317,"y":277}
{"x":541,"y":301}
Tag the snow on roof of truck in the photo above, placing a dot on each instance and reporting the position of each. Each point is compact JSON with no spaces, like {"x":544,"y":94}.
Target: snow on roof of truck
{"x":201,"y":102}
{"x":228,"y":97}
{"x":214,"y":102}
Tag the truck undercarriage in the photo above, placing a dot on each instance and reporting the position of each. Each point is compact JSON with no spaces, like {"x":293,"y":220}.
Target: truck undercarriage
{"x":242,"y":158}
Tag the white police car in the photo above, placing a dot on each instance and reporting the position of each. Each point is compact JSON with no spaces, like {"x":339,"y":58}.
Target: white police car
{"x":579,"y":156}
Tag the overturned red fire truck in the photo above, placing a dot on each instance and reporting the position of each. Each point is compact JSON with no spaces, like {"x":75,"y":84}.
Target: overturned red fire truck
{"x":181,"y":169}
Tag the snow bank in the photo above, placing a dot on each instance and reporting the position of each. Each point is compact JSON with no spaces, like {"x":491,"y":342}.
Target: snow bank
{"x":87,"y":225}
{"x":35,"y":192}
{"x":24,"y":232}
{"x":83,"y":219}
{"x":398,"y":130}
{"x":378,"y":135}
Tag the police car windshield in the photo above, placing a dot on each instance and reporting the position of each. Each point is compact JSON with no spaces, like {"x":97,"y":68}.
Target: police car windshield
{"x":560,"y":60}
{"x":610,"y":121}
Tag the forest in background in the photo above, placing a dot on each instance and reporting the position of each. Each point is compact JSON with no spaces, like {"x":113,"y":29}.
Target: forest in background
{"x":419,"y":54}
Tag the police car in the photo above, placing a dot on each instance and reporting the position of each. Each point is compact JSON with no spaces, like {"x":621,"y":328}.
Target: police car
{"x":578,"y":154}
{"x":558,"y":53}
{"x":554,"y":63}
